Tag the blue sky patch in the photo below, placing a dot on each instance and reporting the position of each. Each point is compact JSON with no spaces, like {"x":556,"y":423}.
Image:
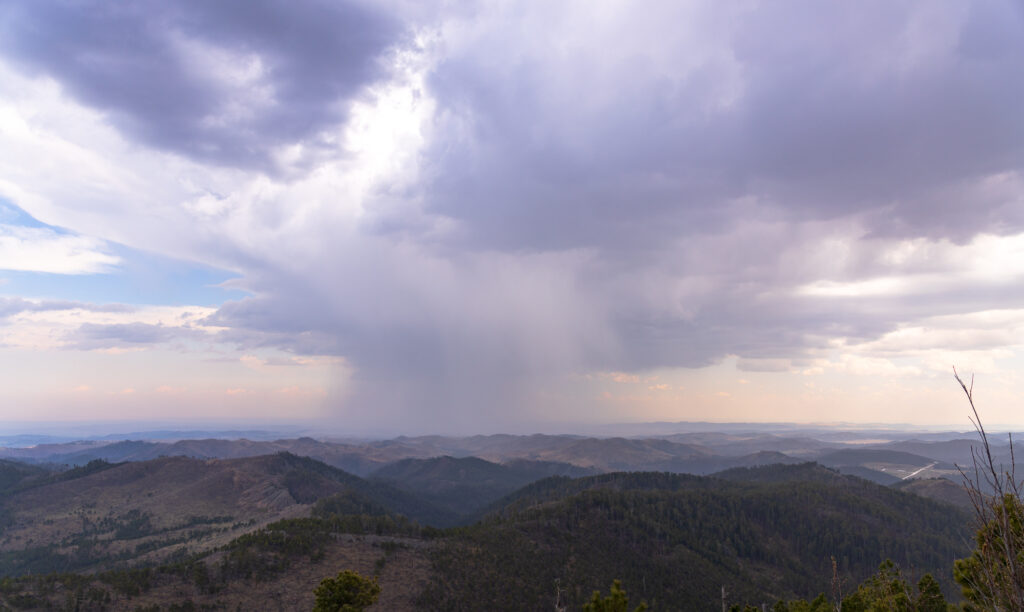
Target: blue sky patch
{"x":141,"y":277}
{"x":11,"y":214}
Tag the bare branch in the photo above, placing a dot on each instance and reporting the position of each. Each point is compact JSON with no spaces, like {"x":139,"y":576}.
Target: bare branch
{"x":994,"y":576}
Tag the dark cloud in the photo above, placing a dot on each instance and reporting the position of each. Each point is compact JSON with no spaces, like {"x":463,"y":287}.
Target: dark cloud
{"x":812,"y":110}
{"x":695,"y":197}
{"x":173,"y":74}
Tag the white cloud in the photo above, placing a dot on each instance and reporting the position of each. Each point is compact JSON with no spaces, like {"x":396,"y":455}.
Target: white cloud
{"x":922,"y":266}
{"x":33,"y":249}
{"x":37,"y":329}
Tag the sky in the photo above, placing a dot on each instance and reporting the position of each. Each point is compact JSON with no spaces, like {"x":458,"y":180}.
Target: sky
{"x":453,"y":217}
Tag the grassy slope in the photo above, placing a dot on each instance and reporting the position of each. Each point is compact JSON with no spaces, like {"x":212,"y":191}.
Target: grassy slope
{"x":263,"y":578}
{"x":153,"y":510}
{"x":938,"y":489}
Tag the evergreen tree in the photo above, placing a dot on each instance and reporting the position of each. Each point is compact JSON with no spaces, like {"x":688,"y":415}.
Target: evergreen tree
{"x":990,"y":577}
{"x":885,"y":591}
{"x":929,"y":596}
{"x":615,"y":602}
{"x":347,"y":592}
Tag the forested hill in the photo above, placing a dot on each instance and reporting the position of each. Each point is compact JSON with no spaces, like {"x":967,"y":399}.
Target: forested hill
{"x":764,"y":533}
{"x":15,"y":473}
{"x":676,"y":540}
{"x":555,"y":488}
{"x":463,"y":485}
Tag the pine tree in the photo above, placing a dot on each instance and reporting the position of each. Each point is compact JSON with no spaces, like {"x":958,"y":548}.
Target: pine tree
{"x":615,"y":602}
{"x":929,"y":596}
{"x":347,"y":592}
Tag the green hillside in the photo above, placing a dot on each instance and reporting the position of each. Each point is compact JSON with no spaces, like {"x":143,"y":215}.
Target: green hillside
{"x":15,"y":473}
{"x":463,"y":485}
{"x":677,"y":540}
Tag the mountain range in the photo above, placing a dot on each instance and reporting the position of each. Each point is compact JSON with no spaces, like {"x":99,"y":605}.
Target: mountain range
{"x":129,"y":524}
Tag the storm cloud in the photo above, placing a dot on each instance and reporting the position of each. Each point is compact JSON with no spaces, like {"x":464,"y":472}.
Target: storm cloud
{"x":593,"y":135}
{"x":221,"y":82}
{"x":586,"y":186}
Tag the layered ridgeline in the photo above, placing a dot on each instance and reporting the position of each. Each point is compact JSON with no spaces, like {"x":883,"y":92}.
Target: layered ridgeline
{"x":696,"y":453}
{"x":263,"y":532}
{"x":90,"y":517}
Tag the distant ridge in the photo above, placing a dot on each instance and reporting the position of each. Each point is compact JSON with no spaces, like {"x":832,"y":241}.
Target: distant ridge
{"x":463,"y":485}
